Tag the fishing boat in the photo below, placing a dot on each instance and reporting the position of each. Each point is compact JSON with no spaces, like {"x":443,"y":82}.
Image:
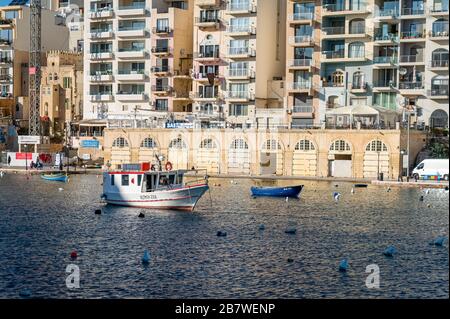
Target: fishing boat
{"x":154,"y":189}
{"x":290,"y":191}
{"x":56,"y":177}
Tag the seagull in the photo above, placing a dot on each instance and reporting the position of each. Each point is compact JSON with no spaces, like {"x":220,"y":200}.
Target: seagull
{"x":336,"y":196}
{"x":352,"y":191}
{"x":60,"y":189}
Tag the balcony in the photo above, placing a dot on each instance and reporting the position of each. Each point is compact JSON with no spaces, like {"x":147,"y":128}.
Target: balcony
{"x":359,"y":87}
{"x":301,"y":41}
{"x":207,"y":22}
{"x":5,"y":23}
{"x":161,"y":89}
{"x":385,"y":61}
{"x":5,"y":78}
{"x":384,"y":86}
{"x":240,"y":74}
{"x":101,"y":76}
{"x":5,"y":42}
{"x":239,"y":96}
{"x":300,"y":64}
{"x":131,"y":96}
{"x":441,"y":35}
{"x":333,"y":9}
{"x":205,"y":96}
{"x":129,"y":53}
{"x":161,"y":51}
{"x":436,"y":11}
{"x":303,"y":111}
{"x":439,"y":65}
{"x":240,"y":30}
{"x":101,"y":13}
{"x":411,"y":59}
{"x":5,"y":60}
{"x":411,"y":88}
{"x":180,"y":96}
{"x":100,"y":34}
{"x":358,"y":32}
{"x":208,"y":3}
{"x":387,"y":15}
{"x":203,"y":77}
{"x":389,"y":38}
{"x":438,"y":92}
{"x":162,"y":30}
{"x":412,"y":12}
{"x":236,"y":53}
{"x":160,"y":70}
{"x":301,"y":17}
{"x":207,"y":57}
{"x":412,"y":36}
{"x":128,"y":75}
{"x":299,"y":87}
{"x":241,"y":7}
{"x":101,"y":97}
{"x":331,"y":56}
{"x":100,"y":55}
{"x":333,"y":32}
{"x":125,"y":32}
{"x":137,"y":9}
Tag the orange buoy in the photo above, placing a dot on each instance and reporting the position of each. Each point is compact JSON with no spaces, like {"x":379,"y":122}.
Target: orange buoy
{"x":169,"y":166}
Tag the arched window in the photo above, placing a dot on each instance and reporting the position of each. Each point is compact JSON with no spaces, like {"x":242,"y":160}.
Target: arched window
{"x":356,"y":50}
{"x":304,"y":145}
{"x":271,"y":145}
{"x":439,"y":58}
{"x":120,"y":142}
{"x":359,"y":80}
{"x":440,"y":28}
{"x":208,"y":144}
{"x":376,"y":146}
{"x":357,"y":26}
{"x":177,"y":143}
{"x":439,"y":118}
{"x":148,"y":143}
{"x":337,"y":78}
{"x":333,"y":102}
{"x":439,"y":85}
{"x":239,"y":144}
{"x":340,"y":146}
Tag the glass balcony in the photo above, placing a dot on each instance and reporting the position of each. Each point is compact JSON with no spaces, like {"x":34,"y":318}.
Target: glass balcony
{"x":240,"y":6}
{"x":412,"y":11}
{"x":303,"y":85}
{"x":388,"y":13}
{"x":340,"y":54}
{"x":240,"y":51}
{"x":385,"y":60}
{"x":300,"y":63}
{"x":333,"y":30}
{"x":387,"y":37}
{"x":438,"y":90}
{"x":411,"y":59}
{"x":385,"y":84}
{"x":241,"y":29}
{"x":241,"y":95}
{"x":439,"y":64}
{"x":239,"y":73}
{"x":302,"y":109}
{"x":410,"y":85}
{"x":412,"y":35}
{"x":298,"y":16}
{"x":301,"y":40}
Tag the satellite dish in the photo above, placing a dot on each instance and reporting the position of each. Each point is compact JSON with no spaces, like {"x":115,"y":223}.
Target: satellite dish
{"x":403,"y":71}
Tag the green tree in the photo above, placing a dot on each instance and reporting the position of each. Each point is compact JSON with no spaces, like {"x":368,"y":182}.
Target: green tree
{"x":439,"y":150}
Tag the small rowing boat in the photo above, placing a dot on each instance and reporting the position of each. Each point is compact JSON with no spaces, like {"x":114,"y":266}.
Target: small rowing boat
{"x":58,"y":177}
{"x":290,"y":191}
{"x":361,"y":185}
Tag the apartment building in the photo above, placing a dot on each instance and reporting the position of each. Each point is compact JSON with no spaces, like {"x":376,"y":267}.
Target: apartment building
{"x":71,"y":14}
{"x":239,"y":62}
{"x":14,"y":55}
{"x":377,"y":60}
{"x":61,"y":92}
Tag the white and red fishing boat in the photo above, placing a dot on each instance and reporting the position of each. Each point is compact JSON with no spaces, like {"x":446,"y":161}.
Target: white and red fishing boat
{"x":154,"y":189}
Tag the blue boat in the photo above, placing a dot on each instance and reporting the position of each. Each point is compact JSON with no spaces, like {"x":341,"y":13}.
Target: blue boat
{"x":60,"y":177}
{"x":291,"y":191}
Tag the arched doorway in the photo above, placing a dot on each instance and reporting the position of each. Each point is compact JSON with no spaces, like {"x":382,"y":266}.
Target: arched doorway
{"x":376,"y":160}
{"x":239,"y":157}
{"x":439,"y":119}
{"x":340,"y":159}
{"x":120,"y":152}
{"x":208,"y":156}
{"x":304,"y":161}
{"x":147,"y":150}
{"x":178,"y":153}
{"x":271,"y":158}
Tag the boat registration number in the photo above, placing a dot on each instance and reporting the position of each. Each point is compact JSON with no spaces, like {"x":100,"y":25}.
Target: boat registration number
{"x":148,"y":197}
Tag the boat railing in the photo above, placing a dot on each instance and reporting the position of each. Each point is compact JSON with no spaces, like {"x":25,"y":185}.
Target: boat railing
{"x":196,"y":176}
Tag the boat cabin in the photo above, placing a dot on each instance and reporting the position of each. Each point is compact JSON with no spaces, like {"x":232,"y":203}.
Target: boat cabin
{"x":143,"y":182}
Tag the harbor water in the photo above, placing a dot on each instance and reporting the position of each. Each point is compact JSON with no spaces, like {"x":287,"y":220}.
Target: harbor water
{"x":41,"y":224}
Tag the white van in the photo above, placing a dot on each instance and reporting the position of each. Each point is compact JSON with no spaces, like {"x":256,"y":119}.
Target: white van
{"x":429,"y":167}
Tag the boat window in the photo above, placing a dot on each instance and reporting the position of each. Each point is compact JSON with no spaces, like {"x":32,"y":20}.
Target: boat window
{"x":180,"y":179}
{"x":112,"y":180}
{"x":172,"y":179}
{"x":163,"y":180}
{"x":125,"y":180}
{"x":139,"y":180}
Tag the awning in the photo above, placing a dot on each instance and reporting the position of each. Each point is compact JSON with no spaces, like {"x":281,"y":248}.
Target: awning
{"x":91,"y":123}
{"x":359,"y":110}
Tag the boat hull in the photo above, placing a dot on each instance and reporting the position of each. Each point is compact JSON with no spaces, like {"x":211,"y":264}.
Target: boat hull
{"x":293,"y":191}
{"x":56,"y":178}
{"x":185,"y":198}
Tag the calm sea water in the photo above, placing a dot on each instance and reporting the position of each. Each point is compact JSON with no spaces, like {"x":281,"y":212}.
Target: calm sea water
{"x":40,"y":226}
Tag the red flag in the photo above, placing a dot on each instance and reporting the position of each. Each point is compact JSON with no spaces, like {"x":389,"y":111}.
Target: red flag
{"x":32,"y":70}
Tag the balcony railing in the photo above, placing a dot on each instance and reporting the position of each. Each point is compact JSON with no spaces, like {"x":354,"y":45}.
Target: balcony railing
{"x":239,"y":6}
{"x":240,"y":51}
{"x":443,"y":33}
{"x":359,"y":86}
{"x":103,"y":72}
{"x":204,"y":76}
{"x":131,"y":49}
{"x":241,"y":29}
{"x":411,"y":59}
{"x":159,"y":49}
{"x":385,"y":59}
{"x":301,"y":39}
{"x":300,"y":63}
{"x":305,"y":85}
{"x":410,"y":85}
{"x":206,"y":19}
{"x":238,"y":95}
{"x":5,"y":21}
{"x":302,"y":109}
{"x":412,"y":35}
{"x":206,"y":55}
{"x":334,"y":54}
{"x":334,"y":7}
{"x":357,"y":29}
{"x":439,"y":63}
{"x":5,"y":60}
{"x":387,"y":37}
{"x":412,"y":11}
{"x":296,"y":16}
{"x":161,"y":30}
{"x":205,"y":95}
{"x":238,"y":72}
{"x":438,"y":91}
{"x":385,"y":84}
{"x":333,"y":30}
{"x":134,"y":5}
{"x":130,"y":72}
{"x":438,"y":10}
{"x":388,"y":13}
{"x":160,"y":68}
{"x":161,"y":88}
